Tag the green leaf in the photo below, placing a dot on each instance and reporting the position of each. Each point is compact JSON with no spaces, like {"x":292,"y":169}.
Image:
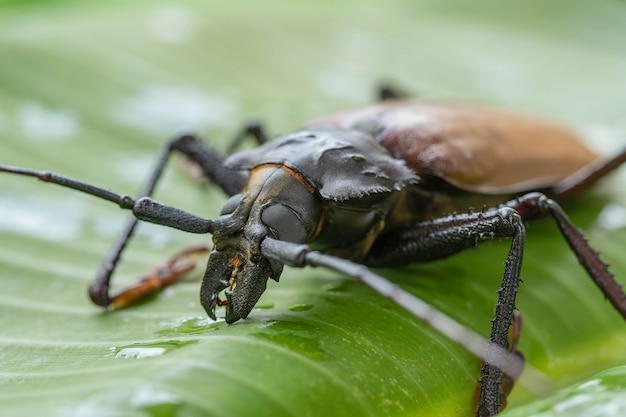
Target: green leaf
{"x":92,"y":90}
{"x":600,"y":396}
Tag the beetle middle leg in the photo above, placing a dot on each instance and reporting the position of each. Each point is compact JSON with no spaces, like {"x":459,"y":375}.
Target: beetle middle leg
{"x":508,"y":379}
{"x":445,"y":236}
{"x":210,"y":162}
{"x":253,"y":128}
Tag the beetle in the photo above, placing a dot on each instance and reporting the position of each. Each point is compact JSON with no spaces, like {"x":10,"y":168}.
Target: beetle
{"x":372,"y":186}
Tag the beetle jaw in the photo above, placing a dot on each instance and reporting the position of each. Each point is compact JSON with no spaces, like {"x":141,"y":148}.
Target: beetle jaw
{"x":242,"y":280}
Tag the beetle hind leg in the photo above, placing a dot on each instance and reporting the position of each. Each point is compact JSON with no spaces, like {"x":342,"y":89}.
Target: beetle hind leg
{"x":535,"y":206}
{"x":445,"y":236}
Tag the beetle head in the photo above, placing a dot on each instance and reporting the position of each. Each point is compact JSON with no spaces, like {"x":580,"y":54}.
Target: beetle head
{"x":236,"y":263}
{"x":274,"y":203}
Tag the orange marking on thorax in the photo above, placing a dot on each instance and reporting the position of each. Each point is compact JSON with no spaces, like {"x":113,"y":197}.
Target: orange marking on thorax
{"x":295,"y":174}
{"x":291,"y":172}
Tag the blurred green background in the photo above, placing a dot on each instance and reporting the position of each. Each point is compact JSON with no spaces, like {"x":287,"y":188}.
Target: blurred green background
{"x":93,"y":89}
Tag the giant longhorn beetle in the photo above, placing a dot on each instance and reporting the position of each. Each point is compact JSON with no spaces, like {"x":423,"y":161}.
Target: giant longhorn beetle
{"x":369,"y":187}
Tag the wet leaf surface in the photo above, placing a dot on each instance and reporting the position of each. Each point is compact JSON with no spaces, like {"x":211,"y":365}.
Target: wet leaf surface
{"x":92,"y":90}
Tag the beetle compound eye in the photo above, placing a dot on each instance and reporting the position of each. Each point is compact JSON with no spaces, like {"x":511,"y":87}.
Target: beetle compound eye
{"x":231,"y":204}
{"x":284,"y":222}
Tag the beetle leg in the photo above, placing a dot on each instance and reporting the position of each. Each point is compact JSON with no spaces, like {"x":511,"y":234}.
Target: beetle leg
{"x":515,"y":332}
{"x":507,"y":380}
{"x":497,"y":355}
{"x":144,"y":209}
{"x":211,"y":164}
{"x":535,"y":206}
{"x":209,"y":161}
{"x":388,"y":92}
{"x":253,"y":128}
{"x":445,"y":236}
{"x":157,"y":279}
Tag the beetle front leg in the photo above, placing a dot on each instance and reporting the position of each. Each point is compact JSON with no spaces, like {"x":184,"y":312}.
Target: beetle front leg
{"x":445,"y":236}
{"x":210,"y":162}
{"x":158,"y":278}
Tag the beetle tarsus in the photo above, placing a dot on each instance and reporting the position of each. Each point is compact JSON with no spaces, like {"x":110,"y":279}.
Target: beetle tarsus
{"x":157,"y":279}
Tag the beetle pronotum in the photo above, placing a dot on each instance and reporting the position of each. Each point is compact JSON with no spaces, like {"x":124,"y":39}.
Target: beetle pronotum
{"x":384,"y":175}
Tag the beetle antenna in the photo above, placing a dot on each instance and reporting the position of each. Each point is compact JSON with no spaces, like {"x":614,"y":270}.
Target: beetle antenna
{"x":145,"y":208}
{"x":511,"y":364}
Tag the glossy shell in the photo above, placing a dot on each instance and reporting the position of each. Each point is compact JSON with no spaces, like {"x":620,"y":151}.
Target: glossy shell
{"x":340,"y":164}
{"x":477,"y":149}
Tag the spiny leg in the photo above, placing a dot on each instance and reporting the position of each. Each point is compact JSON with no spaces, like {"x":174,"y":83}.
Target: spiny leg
{"x":445,"y":236}
{"x":210,"y":163}
{"x":442,"y":237}
{"x":492,"y":393}
{"x":152,"y":211}
{"x":515,"y":333}
{"x":535,"y":206}
{"x":502,"y":364}
{"x":508,"y":378}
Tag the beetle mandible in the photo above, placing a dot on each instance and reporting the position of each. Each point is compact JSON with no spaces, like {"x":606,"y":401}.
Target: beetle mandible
{"x":371,"y":185}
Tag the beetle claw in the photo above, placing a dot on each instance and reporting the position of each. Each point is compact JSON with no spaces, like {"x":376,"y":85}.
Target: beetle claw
{"x":230,"y":317}
{"x":213,"y":283}
{"x":212,"y":305}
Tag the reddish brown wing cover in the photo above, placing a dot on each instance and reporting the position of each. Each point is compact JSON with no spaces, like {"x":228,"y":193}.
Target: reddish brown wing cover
{"x":475,"y":148}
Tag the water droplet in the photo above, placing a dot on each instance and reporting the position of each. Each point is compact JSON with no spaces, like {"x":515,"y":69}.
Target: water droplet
{"x":301,"y":307}
{"x":139,"y":352}
{"x":148,"y":350}
{"x":189,"y":325}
